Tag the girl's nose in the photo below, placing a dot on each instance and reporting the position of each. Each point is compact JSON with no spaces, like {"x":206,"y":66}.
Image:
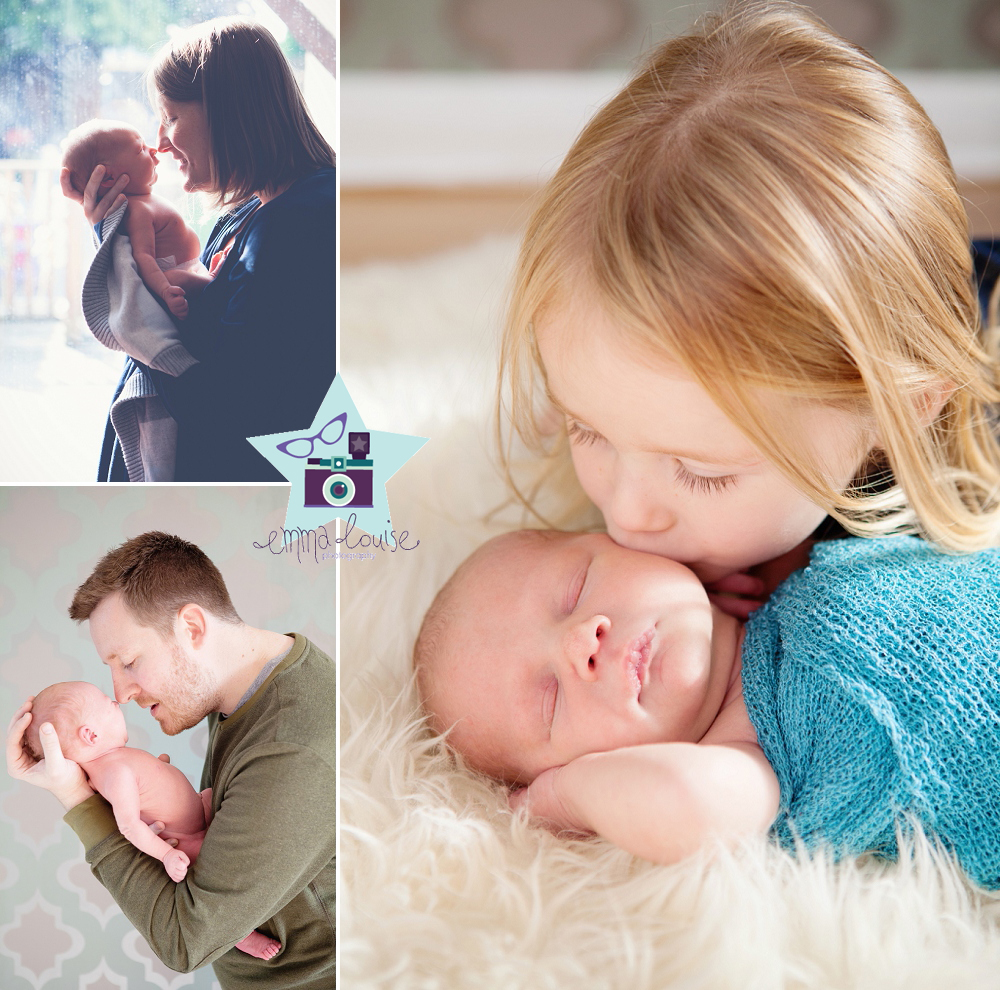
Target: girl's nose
{"x":582,"y":646}
{"x":162,"y":144}
{"x":640,"y":504}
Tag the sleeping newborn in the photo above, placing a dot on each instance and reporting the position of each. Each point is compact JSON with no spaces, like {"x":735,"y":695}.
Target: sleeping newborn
{"x":864,"y":694}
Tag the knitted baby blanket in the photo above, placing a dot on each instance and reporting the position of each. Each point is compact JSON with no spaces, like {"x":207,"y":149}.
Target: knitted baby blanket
{"x":872,"y":678}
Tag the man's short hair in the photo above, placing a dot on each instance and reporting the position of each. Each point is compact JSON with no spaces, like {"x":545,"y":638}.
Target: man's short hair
{"x":157,"y":575}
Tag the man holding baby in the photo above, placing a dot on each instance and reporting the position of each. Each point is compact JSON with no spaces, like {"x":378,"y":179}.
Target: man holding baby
{"x":161,"y":619}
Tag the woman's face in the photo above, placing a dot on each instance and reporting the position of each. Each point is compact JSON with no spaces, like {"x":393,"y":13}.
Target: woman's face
{"x":184,"y":133}
{"x":671,"y":474}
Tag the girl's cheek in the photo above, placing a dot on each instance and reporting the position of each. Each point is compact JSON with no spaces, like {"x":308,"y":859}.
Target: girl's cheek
{"x":593,"y":474}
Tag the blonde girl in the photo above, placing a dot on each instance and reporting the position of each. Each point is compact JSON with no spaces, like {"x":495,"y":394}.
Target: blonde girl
{"x":748,"y":294}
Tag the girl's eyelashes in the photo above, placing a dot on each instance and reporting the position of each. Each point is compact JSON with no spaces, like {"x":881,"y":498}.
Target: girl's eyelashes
{"x":703,"y":484}
{"x":578,"y":433}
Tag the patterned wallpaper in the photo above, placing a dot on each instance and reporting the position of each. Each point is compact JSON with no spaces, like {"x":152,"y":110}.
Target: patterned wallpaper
{"x":59,"y":928}
{"x":605,"y":34}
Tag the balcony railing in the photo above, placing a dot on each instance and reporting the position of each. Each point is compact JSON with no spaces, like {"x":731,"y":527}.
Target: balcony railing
{"x":44,"y":246}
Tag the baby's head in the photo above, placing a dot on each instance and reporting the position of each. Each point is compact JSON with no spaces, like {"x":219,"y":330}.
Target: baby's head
{"x":117,"y":146}
{"x":88,"y":723}
{"x":544,"y":646}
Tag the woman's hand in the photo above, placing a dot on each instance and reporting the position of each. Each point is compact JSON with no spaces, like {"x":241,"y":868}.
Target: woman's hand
{"x":64,"y":778}
{"x":95,"y":209}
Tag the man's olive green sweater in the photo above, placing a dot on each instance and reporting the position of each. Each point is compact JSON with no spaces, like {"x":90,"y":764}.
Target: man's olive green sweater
{"x":268,"y":862}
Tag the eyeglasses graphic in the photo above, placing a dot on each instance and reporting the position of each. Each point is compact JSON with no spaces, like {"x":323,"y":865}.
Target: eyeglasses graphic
{"x":303,"y":446}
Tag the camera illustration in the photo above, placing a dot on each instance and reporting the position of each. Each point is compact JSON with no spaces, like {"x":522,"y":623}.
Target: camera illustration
{"x":341,"y":481}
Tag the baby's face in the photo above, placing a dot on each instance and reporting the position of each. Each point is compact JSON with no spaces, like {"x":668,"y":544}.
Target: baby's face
{"x":560,"y":645}
{"x":136,"y":159}
{"x":104,"y":716}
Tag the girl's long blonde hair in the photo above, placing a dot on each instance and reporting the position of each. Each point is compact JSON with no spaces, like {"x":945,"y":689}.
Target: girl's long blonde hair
{"x":767,"y":206}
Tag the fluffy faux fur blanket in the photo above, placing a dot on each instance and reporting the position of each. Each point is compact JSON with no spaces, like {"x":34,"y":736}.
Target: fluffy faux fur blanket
{"x":440,"y":885}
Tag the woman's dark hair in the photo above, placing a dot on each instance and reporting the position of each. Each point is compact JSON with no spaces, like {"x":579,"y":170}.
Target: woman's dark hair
{"x":262,"y":137}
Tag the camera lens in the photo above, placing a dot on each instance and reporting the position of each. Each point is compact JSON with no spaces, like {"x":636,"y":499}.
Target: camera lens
{"x":338,"y":489}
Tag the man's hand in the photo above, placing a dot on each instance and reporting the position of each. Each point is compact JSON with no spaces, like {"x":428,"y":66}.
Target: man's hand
{"x":64,"y":778}
{"x":543,"y":802}
{"x":95,"y":209}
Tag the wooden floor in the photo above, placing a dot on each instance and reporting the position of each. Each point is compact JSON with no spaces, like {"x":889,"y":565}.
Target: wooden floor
{"x":401,"y":222}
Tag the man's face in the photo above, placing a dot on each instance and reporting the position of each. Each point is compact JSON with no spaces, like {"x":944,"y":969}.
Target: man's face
{"x":564,"y":645}
{"x":156,"y":672}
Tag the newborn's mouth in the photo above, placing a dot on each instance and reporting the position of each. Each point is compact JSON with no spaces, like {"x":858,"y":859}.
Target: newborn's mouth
{"x":638,"y":660}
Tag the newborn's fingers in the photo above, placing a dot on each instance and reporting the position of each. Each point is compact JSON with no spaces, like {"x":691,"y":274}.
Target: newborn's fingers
{"x":740,"y":608}
{"x":165,"y":757}
{"x":739,"y":584}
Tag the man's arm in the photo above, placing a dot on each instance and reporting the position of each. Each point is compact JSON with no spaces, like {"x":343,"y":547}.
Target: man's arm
{"x":272,"y":834}
{"x":660,"y":801}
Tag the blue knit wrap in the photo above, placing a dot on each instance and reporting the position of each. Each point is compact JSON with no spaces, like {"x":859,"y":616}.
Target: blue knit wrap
{"x":872,"y":678}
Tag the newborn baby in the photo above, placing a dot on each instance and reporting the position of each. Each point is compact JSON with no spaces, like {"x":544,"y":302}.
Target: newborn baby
{"x":164,"y":247}
{"x":140,"y":788}
{"x":864,"y":694}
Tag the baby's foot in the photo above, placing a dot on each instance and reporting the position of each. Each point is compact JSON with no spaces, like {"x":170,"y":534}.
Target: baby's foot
{"x":176,"y":303}
{"x":260,"y":945}
{"x":176,"y":864}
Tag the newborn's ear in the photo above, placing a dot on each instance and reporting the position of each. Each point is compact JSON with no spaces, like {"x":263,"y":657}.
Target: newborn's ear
{"x":86,"y":735}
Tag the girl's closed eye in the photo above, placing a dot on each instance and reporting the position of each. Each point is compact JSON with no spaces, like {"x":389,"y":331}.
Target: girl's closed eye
{"x":704,"y":484}
{"x":578,"y":433}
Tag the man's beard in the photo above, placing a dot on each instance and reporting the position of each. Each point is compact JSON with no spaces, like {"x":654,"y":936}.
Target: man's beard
{"x":192,"y":696}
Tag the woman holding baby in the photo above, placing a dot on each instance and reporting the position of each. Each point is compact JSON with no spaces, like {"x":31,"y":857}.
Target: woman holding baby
{"x":262,"y":331}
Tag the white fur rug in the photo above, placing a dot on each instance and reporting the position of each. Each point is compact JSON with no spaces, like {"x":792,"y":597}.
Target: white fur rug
{"x":440,"y":886}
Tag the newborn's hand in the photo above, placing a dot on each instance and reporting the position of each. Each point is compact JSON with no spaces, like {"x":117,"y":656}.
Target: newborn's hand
{"x":176,"y":864}
{"x":176,"y":303}
{"x":543,"y":801}
{"x":737,"y":594}
{"x":64,"y":778}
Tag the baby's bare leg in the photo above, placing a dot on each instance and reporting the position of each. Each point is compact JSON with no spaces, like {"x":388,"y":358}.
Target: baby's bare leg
{"x":259,"y":945}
